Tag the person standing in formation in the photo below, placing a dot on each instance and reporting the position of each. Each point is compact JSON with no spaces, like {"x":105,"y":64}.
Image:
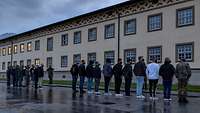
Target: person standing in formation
{"x":74,"y":73}
{"x":183,"y":74}
{"x":107,"y":72}
{"x":97,"y":76}
{"x":90,"y":76}
{"x":82,"y":74}
{"x":8,"y":74}
{"x":152,"y":73}
{"x":40,"y":75}
{"x":117,"y":71}
{"x":50,"y":74}
{"x":167,"y":72}
{"x":140,"y":73}
{"x":128,"y":74}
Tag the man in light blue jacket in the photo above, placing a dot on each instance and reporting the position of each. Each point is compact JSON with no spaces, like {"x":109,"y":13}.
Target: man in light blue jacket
{"x":152,"y":73}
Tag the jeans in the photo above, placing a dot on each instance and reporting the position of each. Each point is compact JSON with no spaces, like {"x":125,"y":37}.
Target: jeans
{"x":82,"y":79}
{"x":167,"y":88}
{"x":107,"y":83}
{"x":127,"y":86}
{"x":97,"y":83}
{"x":118,"y":82}
{"x":153,"y":86}
{"x":90,"y":84}
{"x":74,"y":81}
{"x":139,"y":85}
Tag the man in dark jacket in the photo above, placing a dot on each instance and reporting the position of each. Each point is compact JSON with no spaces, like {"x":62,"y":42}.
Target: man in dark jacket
{"x":41,"y":75}
{"x":36,"y":76}
{"x":27,"y":75}
{"x":117,"y":71}
{"x":14,"y":76}
{"x":140,"y":73}
{"x":167,"y":72}
{"x":82,"y":74}
{"x":183,"y":74}
{"x":74,"y":71}
{"x":18,"y":76}
{"x":8,"y":74}
{"x":97,"y":76}
{"x":50,"y":74}
{"x":107,"y":72}
{"x":90,"y":76}
{"x":32,"y":75}
{"x":128,"y":74}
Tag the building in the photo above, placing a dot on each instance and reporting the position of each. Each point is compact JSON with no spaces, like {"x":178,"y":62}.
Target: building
{"x":149,"y":28}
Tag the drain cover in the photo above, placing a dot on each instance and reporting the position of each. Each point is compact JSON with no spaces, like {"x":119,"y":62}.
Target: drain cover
{"x":107,"y":103}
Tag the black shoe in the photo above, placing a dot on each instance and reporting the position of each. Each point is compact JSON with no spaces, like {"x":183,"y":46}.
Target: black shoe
{"x":180,"y":100}
{"x":185,"y":100}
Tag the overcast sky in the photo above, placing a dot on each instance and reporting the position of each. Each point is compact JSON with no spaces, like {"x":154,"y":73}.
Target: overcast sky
{"x":17,"y":16}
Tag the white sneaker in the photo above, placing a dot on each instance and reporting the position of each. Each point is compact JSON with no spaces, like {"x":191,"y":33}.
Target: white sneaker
{"x":169,"y":99}
{"x":142,"y":97}
{"x":155,"y":98}
{"x":106,"y":94}
{"x":151,"y":98}
{"x":165,"y":99}
{"x":118,"y":95}
{"x":138,"y":97}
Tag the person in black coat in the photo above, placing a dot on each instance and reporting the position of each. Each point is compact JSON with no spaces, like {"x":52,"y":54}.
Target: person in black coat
{"x":167,"y":72}
{"x":97,"y":76}
{"x":36,"y":76}
{"x":128,"y":74}
{"x":90,"y":76}
{"x":74,"y":73}
{"x":82,"y":74}
{"x":40,"y":75}
{"x":117,"y":71}
{"x":50,"y":74}
{"x":8,"y":74}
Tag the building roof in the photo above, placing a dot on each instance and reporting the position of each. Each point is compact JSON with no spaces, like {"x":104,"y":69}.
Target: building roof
{"x":73,"y":18}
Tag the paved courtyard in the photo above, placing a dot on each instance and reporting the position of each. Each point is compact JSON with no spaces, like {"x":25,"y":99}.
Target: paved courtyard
{"x":61,"y":100}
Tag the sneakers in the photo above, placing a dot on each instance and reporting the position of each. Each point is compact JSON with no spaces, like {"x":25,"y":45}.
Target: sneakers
{"x":153,"y":98}
{"x":140,"y":97}
{"x":107,"y":94}
{"x":166,"y":99}
{"x":97,"y":93}
{"x":118,"y":95}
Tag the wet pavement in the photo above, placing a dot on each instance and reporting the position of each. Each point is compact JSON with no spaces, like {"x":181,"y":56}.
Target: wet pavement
{"x":61,"y":100}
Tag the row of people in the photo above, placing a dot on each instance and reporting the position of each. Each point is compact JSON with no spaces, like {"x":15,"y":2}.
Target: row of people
{"x":152,"y":72}
{"x":23,"y":76}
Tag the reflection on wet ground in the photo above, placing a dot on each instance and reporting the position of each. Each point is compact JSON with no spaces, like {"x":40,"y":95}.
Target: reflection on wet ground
{"x":61,"y":100}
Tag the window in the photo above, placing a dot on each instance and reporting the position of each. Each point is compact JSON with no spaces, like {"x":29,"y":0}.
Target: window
{"x":155,"y":22}
{"x":15,"y":63}
{"x":185,"y":51}
{"x":15,"y":49}
{"x":77,"y":37}
{"x":37,"y":61}
{"x":29,"y":46}
{"x":21,"y":48}
{"x":130,"y":27}
{"x":155,"y":53}
{"x":21,"y":63}
{"x":9,"y":50}
{"x":37,"y":45}
{"x":64,"y":61}
{"x":185,"y":17}
{"x":50,"y":44}
{"x":91,"y":57}
{"x":109,"y":55}
{"x":4,"y":51}
{"x":92,"y":34}
{"x":129,"y":54}
{"x":28,"y":62}
{"x":64,"y":40}
{"x":3,"y":65}
{"x":109,"y":31}
{"x":77,"y":58}
{"x":49,"y":61}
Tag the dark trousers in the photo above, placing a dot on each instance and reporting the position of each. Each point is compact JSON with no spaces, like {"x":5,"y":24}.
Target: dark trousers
{"x":152,"y":87}
{"x":128,"y":86}
{"x":97,"y":83}
{"x":14,"y":81}
{"x":74,"y":81}
{"x":82,"y":79}
{"x":8,"y":80}
{"x":118,"y":82}
{"x":167,"y":84}
{"x":50,"y":80}
{"x":182,"y":88}
{"x":36,"y":83}
{"x":107,"y":83}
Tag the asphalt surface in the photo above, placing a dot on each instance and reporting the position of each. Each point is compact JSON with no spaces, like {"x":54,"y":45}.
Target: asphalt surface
{"x":61,"y":100}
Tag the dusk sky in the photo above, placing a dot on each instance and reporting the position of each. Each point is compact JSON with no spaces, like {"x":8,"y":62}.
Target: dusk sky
{"x":18,"y":16}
